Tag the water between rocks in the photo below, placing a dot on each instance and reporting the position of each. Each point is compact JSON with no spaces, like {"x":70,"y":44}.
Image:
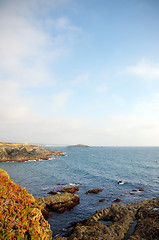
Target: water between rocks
{"x":89,"y":168}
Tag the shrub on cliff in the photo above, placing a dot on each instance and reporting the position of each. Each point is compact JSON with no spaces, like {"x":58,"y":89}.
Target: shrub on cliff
{"x":20,"y":218}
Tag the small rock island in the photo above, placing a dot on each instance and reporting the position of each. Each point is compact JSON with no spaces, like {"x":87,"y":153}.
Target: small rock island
{"x":79,"y":145}
{"x":24,"y":152}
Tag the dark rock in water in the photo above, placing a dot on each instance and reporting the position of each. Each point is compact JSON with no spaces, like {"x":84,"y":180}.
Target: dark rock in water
{"x":134,"y":190}
{"x":117,"y":200}
{"x":53,"y":192}
{"x":133,"y":221}
{"x":70,"y":189}
{"x":95,"y":191}
{"x":102,"y":200}
{"x":132,"y":193}
{"x":58,"y":202}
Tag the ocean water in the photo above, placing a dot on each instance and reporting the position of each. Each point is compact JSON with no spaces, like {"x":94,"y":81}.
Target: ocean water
{"x":89,"y":168}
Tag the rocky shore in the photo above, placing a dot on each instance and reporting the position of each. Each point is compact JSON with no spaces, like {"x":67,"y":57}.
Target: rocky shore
{"x":24,"y":152}
{"x":119,"y":222}
{"x":22,"y":216}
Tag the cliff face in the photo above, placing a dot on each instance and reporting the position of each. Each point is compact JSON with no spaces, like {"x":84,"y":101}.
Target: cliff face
{"x":20,"y":216}
{"x":24,"y":152}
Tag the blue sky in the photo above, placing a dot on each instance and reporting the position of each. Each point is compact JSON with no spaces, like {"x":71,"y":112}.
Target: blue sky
{"x":80,"y":71}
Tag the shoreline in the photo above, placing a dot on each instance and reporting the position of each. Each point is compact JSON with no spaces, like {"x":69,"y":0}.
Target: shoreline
{"x":13,"y":152}
{"x":118,"y":221}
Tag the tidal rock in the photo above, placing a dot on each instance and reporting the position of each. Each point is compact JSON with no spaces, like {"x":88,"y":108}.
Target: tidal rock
{"x":116,"y":221}
{"x":132,"y":193}
{"x":117,"y":200}
{"x":102,"y":200}
{"x":95,"y":191}
{"x":70,"y":189}
{"x":58,"y":202}
{"x":53,"y":192}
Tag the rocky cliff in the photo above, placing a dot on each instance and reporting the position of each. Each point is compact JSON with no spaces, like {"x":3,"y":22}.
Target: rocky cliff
{"x":24,"y":152}
{"x":20,"y":216}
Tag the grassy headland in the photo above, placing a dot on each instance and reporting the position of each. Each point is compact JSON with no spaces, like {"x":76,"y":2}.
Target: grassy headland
{"x":24,"y":152}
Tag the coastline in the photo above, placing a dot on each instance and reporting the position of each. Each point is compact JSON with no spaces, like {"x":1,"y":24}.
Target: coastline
{"x":14,"y":152}
{"x":21,"y":216}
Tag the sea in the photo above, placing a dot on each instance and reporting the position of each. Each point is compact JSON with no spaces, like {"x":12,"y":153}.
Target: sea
{"x":90,"y":168}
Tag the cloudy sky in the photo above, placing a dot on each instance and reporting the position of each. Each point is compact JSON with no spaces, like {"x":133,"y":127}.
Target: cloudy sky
{"x":79,"y":71}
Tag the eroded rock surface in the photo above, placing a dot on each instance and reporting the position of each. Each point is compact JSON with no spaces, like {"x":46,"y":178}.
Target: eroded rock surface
{"x":94,"y":191}
{"x":70,"y":189}
{"x":58,"y":202}
{"x":115,"y":222}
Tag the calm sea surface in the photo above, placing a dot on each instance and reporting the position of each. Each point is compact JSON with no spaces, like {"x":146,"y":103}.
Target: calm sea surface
{"x":88,"y":168}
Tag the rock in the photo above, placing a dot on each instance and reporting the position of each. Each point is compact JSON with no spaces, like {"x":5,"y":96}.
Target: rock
{"x":58,"y":202}
{"x":120,"y":218}
{"x":132,"y":193}
{"x":102,"y":200}
{"x":117,"y":200}
{"x":70,"y":189}
{"x":53,"y":192}
{"x":95,"y":191}
{"x":20,"y":216}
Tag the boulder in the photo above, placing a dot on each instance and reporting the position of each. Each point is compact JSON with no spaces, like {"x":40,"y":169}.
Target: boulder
{"x":95,"y":191}
{"x":70,"y":189}
{"x":102,"y":200}
{"x":58,"y":202}
{"x":117,"y":200}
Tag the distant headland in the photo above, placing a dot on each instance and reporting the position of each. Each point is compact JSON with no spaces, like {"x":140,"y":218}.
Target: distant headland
{"x":25,"y":152}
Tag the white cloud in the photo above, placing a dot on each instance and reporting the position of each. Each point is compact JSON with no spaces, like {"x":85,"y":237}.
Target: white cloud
{"x":28,"y":46}
{"x":144,"y":69}
{"x":61,"y":99}
{"x":11,"y":105}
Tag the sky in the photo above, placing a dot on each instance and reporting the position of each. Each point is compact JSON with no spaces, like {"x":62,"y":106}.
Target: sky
{"x":79,"y":71}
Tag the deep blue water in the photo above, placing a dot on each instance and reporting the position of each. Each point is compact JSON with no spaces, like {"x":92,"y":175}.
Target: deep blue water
{"x":92,"y":167}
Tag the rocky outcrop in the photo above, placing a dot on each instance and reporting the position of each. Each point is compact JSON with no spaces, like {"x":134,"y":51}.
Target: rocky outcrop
{"x":69,"y":189}
{"x":132,"y":221}
{"x":20,"y":216}
{"x":24,"y":152}
{"x":58,"y":203}
{"x":95,"y":191}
